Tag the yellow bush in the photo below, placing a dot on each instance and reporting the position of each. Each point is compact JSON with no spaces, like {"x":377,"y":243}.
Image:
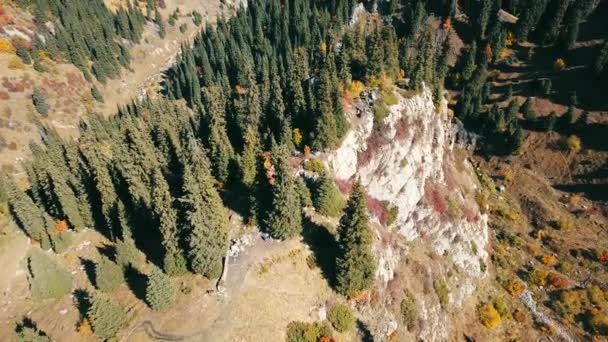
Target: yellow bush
{"x":355,"y":88}
{"x":6,"y":46}
{"x":323,"y":49}
{"x":538,"y":277}
{"x":548,"y":260}
{"x":599,"y":321}
{"x":559,"y":65}
{"x":489,"y":316}
{"x":574,"y":143}
{"x":297,"y":137}
{"x":515,"y":287}
{"x":15,"y":63}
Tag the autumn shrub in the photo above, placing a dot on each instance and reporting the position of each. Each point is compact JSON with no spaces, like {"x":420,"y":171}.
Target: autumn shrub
{"x":598,"y":320}
{"x":409,"y":310}
{"x":314,"y":165}
{"x":378,"y":209}
{"x":489,"y":316}
{"x":603,"y":257}
{"x":548,"y":260}
{"x":6,"y":46}
{"x":573,"y":143}
{"x":307,"y":332}
{"x":515,"y":287}
{"x":341,"y":318}
{"x":501,"y":305}
{"x":565,"y":223}
{"x":597,"y":296}
{"x":538,"y":277}
{"x":15,"y":63}
{"x":558,"y":281}
{"x":559,"y":65}
{"x":570,"y":303}
{"x":565,"y":267}
{"x":355,"y":88}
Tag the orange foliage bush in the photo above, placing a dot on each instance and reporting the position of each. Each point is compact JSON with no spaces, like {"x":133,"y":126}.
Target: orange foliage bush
{"x":515,"y":287}
{"x":447,"y":24}
{"x":6,"y":46}
{"x":603,"y":258}
{"x":306,"y":151}
{"x":84,"y":328}
{"x":61,"y":226}
{"x":548,"y":260}
{"x":559,"y":65}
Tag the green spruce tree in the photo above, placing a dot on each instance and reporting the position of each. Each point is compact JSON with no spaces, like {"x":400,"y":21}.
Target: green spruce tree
{"x":106,"y":316}
{"x":160,"y":290}
{"x":355,"y":264}
{"x":108,"y":275}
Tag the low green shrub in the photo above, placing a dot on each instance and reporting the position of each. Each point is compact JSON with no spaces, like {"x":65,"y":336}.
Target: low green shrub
{"x":341,"y":318}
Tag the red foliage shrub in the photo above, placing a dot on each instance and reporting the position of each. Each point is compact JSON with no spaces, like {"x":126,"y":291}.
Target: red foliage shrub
{"x":603,"y":258}
{"x":374,"y":143}
{"x":344,"y":186}
{"x":295,"y":162}
{"x":434,"y":197}
{"x":470,"y":215}
{"x":377,"y":209}
{"x":401,"y":129}
{"x":4,"y":95}
{"x":558,"y":281}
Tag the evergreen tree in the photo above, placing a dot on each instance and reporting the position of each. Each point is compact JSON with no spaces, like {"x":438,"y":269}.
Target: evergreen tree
{"x":161,"y":25}
{"x":29,"y":216}
{"x":96,"y":94}
{"x":527,"y":111}
{"x":220,"y":148}
{"x":174,"y":261}
{"x":206,"y":220}
{"x":469,"y":64}
{"x":40,"y":102}
{"x":23,"y":54}
{"x":568,"y":118}
{"x":283,"y":219}
{"x":355,"y":264}
{"x":107,"y":317}
{"x":108,"y":275}
{"x":47,"y":279}
{"x":328,"y":200}
{"x":160,"y":291}
{"x":602,"y":60}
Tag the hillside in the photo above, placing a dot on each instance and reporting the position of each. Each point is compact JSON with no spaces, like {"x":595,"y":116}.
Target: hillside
{"x":307,"y":171}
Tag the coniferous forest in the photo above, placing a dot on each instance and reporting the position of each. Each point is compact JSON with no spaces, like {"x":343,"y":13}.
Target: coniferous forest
{"x":162,"y":175}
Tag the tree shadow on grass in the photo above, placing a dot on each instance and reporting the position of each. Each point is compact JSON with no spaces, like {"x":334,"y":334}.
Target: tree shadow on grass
{"x":366,"y":335}
{"x":324,"y":248}
{"x":108,"y":250}
{"x":82,"y":301}
{"x":137,"y":282}
{"x":89,"y":269}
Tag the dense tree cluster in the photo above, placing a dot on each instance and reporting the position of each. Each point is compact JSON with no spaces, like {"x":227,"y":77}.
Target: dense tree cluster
{"x":87,"y":34}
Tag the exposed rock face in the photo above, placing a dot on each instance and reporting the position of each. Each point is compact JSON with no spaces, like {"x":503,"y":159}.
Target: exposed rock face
{"x":410,"y":163}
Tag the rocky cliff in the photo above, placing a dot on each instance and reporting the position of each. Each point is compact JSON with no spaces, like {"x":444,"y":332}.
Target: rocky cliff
{"x":409,"y":161}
